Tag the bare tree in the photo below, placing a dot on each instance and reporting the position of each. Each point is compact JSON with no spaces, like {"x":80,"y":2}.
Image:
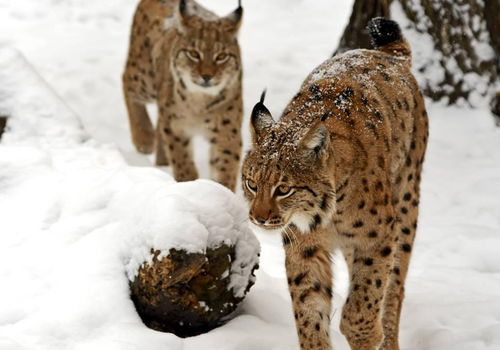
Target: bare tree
{"x":455,"y":42}
{"x":355,"y":34}
{"x":3,"y":122}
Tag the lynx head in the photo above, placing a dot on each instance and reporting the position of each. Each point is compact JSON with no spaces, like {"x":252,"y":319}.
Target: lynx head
{"x":206,"y":55}
{"x":286,"y":176}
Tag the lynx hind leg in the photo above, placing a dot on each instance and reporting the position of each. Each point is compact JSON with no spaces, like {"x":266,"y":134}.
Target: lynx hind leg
{"x":405,"y":228}
{"x":361,"y":321}
{"x":143,"y":135}
{"x":406,"y":200}
{"x":309,"y":273}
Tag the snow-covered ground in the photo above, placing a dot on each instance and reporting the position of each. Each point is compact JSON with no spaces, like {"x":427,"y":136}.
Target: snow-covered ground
{"x":79,"y":47}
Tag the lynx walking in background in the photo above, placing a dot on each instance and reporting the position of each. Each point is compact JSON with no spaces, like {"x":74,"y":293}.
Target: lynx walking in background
{"x":187,"y":60}
{"x":341,"y":168}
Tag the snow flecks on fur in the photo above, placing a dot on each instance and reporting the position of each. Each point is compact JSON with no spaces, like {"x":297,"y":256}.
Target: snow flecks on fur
{"x":284,"y":136}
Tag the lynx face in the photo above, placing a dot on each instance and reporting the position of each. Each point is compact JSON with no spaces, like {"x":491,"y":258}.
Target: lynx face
{"x":206,"y":55}
{"x":295,"y":187}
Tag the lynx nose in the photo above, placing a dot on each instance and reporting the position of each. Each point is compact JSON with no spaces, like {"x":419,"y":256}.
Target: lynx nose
{"x":260,"y":216}
{"x":260,"y":220}
{"x":206,"y":78}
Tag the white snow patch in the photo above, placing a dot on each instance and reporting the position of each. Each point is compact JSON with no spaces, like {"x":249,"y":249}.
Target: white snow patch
{"x":77,"y":220}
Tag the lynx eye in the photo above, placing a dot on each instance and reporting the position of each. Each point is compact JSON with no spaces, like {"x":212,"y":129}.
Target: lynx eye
{"x":221,"y":57}
{"x":282,"y":190}
{"x":193,"y":54}
{"x":252,"y":186}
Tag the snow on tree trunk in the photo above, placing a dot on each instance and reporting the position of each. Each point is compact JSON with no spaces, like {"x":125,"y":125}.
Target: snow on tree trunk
{"x":187,"y":293}
{"x":462,"y":66}
{"x":453,"y":42}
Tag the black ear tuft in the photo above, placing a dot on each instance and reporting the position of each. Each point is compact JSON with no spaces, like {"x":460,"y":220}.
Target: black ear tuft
{"x":182,"y":7}
{"x":261,"y":119}
{"x":233,"y":20}
{"x":260,"y":109}
{"x":238,"y":13}
{"x":263,"y":96}
{"x":383,"y":31}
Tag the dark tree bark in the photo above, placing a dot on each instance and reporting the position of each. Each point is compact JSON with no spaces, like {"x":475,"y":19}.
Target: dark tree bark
{"x":461,"y":63}
{"x":355,"y":34}
{"x":495,"y":107}
{"x":492,"y":15}
{"x":3,"y":123}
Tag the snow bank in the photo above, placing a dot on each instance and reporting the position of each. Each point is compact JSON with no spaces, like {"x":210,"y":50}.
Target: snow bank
{"x":77,"y":221}
{"x":38,"y":114}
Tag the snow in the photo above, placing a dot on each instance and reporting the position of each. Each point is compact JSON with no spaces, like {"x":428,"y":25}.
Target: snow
{"x":78,"y":221}
{"x":56,"y":236}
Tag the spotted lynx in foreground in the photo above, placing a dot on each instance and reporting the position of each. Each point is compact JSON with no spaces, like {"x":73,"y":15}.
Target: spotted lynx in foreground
{"x":341,"y":169}
{"x":187,"y":60}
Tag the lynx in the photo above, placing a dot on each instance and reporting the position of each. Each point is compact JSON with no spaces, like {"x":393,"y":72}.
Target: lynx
{"x":341,"y":169}
{"x":187,"y":60}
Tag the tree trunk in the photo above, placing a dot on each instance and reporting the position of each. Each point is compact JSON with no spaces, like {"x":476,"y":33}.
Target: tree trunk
{"x":355,"y":34}
{"x":455,"y":44}
{"x":492,"y":15}
{"x":495,"y":107}
{"x":3,"y":123}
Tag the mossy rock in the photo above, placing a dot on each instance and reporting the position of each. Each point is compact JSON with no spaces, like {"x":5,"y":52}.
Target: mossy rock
{"x":186,"y":293}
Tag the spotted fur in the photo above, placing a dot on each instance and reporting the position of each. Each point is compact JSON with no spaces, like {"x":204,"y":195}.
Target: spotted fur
{"x":187,"y":60}
{"x":341,"y":169}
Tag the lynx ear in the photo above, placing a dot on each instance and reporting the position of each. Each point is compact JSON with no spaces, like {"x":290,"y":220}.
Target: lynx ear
{"x":261,"y":120}
{"x":315,"y":142}
{"x":232,"y":22}
{"x":184,"y":11}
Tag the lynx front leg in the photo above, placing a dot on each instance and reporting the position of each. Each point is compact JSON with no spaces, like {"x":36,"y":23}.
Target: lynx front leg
{"x":309,"y":273}
{"x":161,"y":155}
{"x":141,"y":128}
{"x":225,"y":153}
{"x":177,"y":147}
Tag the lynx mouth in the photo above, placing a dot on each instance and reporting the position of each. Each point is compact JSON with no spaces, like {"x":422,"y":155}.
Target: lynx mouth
{"x":206,"y":87}
{"x":268,"y":228}
{"x":206,"y":84}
